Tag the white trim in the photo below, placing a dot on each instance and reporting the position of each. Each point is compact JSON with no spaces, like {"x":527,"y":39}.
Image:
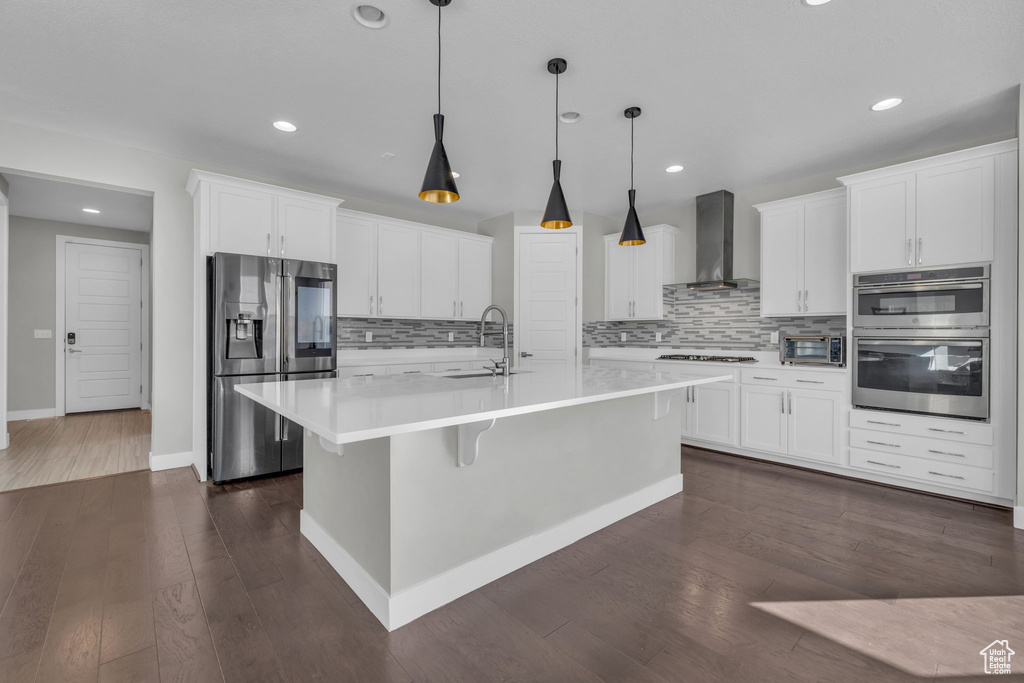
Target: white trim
{"x":519,"y":230}
{"x":35,"y":414}
{"x":5,"y":271}
{"x":928,"y":162}
{"x":169,"y":461}
{"x":412,"y":603}
{"x":59,"y":312}
{"x":197,"y":176}
{"x":1018,"y":517}
{"x":424,"y":227}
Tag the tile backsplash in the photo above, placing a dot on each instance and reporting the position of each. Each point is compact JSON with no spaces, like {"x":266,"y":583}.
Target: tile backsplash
{"x":724,"y":319}
{"x":396,"y":333}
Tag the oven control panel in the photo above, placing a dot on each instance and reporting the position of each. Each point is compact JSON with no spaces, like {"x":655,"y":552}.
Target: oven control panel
{"x":923,"y":276}
{"x":835,"y":351}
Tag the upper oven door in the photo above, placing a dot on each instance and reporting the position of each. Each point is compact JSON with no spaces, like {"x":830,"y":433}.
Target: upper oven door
{"x":309,"y":300}
{"x":947,"y":376}
{"x":933,"y":305}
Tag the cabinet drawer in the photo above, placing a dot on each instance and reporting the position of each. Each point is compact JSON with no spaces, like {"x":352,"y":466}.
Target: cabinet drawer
{"x":793,"y":379}
{"x":917,"y":425}
{"x":455,"y":366}
{"x":939,"y":450}
{"x":942,"y":474}
{"x":410,"y":368}
{"x":362,"y":371}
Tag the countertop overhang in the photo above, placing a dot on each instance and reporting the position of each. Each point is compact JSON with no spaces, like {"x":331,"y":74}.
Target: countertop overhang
{"x":342,"y":411}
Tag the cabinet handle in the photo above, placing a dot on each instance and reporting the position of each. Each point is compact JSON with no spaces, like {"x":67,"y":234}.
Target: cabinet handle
{"x":453,"y":309}
{"x":380,"y":305}
{"x":782,"y":397}
{"x":771,"y":379}
{"x":883,"y":464}
{"x":920,"y":249}
{"x":910,"y":251}
{"x":805,"y":301}
{"x":282,"y":245}
{"x":882,"y":443}
{"x":945,"y":431}
{"x":887,"y":424}
{"x":789,"y":395}
{"x":798,"y":301}
{"x":810,"y":381}
{"x":462,"y":309}
{"x":371,"y":304}
{"x":957,"y":455}
{"x":411,"y":372}
{"x":948,"y":476}
{"x":268,"y":244}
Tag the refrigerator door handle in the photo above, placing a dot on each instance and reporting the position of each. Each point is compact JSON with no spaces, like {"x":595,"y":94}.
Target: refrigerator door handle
{"x":277,"y":428}
{"x":284,"y":427}
{"x":287,"y":318}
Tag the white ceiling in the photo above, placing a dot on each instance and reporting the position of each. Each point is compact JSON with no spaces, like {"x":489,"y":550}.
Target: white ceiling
{"x":53,"y":200}
{"x":743,"y":93}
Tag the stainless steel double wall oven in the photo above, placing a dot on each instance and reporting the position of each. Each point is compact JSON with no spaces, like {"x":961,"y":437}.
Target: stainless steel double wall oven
{"x":270,"y":320}
{"x":921,"y":342}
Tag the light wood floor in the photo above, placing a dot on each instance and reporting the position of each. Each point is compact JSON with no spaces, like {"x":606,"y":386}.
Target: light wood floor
{"x":756,"y":572}
{"x":78,"y":446}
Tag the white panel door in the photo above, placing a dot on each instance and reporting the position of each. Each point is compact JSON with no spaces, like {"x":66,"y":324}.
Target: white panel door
{"x":781,"y":275}
{"x":439,"y":275}
{"x":882,"y":223}
{"x":824,"y":257}
{"x":763,"y":419}
{"x":546,"y":327}
{"x":398,"y":271}
{"x":714,"y":413}
{"x":814,"y":424}
{"x":356,"y":256}
{"x":648,"y":295}
{"x":305,"y":230}
{"x":474,"y":278}
{"x":242,"y":221}
{"x":619,"y":280}
{"x":956,"y":213}
{"x":103,"y":310}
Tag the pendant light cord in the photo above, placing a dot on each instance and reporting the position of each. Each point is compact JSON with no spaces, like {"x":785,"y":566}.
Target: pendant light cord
{"x":631,"y":153}
{"x":438,"y":59}
{"x":556,"y":115}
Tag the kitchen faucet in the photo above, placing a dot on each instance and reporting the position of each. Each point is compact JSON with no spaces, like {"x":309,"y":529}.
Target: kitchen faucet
{"x":504,"y":365}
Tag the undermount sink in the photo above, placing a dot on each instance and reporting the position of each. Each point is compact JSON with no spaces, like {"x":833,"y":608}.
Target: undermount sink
{"x":476,"y":374}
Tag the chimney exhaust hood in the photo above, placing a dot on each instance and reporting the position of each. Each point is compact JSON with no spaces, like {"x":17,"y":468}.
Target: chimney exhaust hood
{"x":714,"y":243}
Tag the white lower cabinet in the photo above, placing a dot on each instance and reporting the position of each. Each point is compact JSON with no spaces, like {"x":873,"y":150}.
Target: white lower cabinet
{"x":763,"y":419}
{"x":711,"y":413}
{"x":798,"y":422}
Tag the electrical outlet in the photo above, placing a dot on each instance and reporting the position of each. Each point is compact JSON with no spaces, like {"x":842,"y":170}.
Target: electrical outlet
{"x":657,"y":337}
{"x":451,"y":336}
{"x":775,"y":337}
{"x":623,"y":336}
{"x":42,"y":334}
{"x":369,"y":337}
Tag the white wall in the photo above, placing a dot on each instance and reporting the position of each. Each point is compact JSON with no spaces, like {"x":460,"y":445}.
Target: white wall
{"x":1018,"y":518}
{"x":502,"y":229}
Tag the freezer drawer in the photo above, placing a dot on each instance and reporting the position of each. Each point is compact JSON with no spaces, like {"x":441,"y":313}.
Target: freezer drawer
{"x":244,"y":436}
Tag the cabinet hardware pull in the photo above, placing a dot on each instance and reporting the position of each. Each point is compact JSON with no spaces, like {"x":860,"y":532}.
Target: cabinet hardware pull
{"x":945,"y":431}
{"x":268,"y":244}
{"x":411,"y":372}
{"x":453,"y":308}
{"x":782,"y":402}
{"x":910,"y":249}
{"x":380,"y":305}
{"x":920,"y":249}
{"x":887,"y":424}
{"x":798,"y":301}
{"x":884,"y":464}
{"x":810,"y":381}
{"x":371,"y":304}
{"x":882,"y":443}
{"x":806,"y":297}
{"x":282,"y":245}
{"x":368,"y":374}
{"x":789,"y":395}
{"x":772,"y":379}
{"x":949,"y":476}
{"x":957,"y":455}
{"x":462,"y":309}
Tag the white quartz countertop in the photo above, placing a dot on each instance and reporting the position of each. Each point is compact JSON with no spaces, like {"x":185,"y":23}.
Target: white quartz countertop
{"x":360,"y":408}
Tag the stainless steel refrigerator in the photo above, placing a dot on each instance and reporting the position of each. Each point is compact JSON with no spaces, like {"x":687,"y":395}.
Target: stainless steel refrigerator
{"x":270,"y":320}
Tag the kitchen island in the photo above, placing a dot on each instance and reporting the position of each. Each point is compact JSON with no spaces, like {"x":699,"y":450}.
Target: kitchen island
{"x":421,"y":488}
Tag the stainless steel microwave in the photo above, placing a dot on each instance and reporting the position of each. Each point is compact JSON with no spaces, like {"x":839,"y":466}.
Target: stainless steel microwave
{"x":812,"y":350}
{"x":923,"y":299}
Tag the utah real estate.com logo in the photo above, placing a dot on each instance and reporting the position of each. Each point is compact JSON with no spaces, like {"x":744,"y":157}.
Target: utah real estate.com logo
{"x":997,"y":657}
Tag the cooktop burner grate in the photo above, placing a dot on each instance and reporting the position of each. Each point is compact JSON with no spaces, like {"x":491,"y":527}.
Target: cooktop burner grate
{"x":710,"y":359}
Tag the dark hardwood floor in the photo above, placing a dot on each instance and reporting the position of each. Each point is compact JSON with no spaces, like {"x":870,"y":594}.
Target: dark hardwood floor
{"x":756,"y":573}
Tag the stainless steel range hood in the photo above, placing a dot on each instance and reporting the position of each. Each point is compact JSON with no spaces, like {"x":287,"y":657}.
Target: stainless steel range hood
{"x":714,"y":242}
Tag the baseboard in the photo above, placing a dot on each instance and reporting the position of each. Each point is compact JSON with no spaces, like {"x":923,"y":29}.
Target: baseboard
{"x":170,"y":461}
{"x":412,"y":603}
{"x":35,"y":414}
{"x":1018,"y":517}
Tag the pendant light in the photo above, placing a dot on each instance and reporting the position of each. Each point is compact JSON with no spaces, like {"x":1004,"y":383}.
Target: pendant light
{"x":556,"y":213}
{"x":632,"y":233}
{"x":438,"y":182}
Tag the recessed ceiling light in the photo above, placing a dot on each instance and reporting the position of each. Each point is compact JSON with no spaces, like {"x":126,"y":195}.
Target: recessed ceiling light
{"x":674,"y":168}
{"x":455,"y":175}
{"x":815,"y":3}
{"x":285,"y":126}
{"x":570,"y":117}
{"x":887,"y":104}
{"x":91,"y":210}
{"x":370,"y":16}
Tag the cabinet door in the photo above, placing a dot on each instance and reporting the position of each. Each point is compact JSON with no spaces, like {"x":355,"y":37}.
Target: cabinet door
{"x":781,"y":283}
{"x":648,"y":294}
{"x":882,"y":223}
{"x":241,"y":221}
{"x":474,"y":278}
{"x":956,"y":213}
{"x":305,"y":230}
{"x":814,"y":424}
{"x":356,"y":256}
{"x":439,"y":275}
{"x":824,"y":257}
{"x":398,"y":271}
{"x":714,"y":413}
{"x":763,"y":419}
{"x":686,"y":428}
{"x":619,"y":284}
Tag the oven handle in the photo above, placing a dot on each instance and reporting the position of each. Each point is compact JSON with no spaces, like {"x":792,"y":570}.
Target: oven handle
{"x":931,"y":341}
{"x":885,"y":289}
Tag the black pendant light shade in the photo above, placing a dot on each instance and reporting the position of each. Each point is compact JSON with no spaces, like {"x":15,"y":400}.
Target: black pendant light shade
{"x":632,"y":233}
{"x":556,"y":213}
{"x":438,"y":182}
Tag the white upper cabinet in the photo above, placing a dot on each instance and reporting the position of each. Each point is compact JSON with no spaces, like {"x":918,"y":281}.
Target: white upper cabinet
{"x":928,"y":213}
{"x":238,"y":216}
{"x":634,"y":276}
{"x":389,"y":268}
{"x":803,"y":255}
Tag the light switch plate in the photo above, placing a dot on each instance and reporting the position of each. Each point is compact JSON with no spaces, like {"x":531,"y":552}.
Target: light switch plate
{"x":623,"y":336}
{"x":657,"y":337}
{"x":775,"y":337}
{"x":369,"y":337}
{"x":451,"y":336}
{"x":42,"y":334}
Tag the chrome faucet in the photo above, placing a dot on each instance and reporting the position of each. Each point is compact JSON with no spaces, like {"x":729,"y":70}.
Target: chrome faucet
{"x":504,"y":366}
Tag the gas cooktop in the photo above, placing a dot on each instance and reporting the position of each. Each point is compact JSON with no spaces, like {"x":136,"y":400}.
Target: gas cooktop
{"x":710,"y":359}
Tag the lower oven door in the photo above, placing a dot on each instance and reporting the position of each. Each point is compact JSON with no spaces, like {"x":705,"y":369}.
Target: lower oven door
{"x":930,"y":375}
